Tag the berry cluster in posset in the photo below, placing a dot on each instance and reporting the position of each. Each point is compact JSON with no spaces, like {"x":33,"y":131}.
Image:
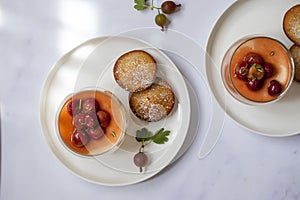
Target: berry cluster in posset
{"x":88,"y":119}
{"x":161,"y":19}
{"x":254,"y":70}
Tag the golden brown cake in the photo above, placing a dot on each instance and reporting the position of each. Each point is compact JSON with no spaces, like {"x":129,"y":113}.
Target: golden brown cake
{"x":154,"y":103}
{"x":295,"y":51}
{"x":135,"y":70}
{"x":291,"y":24}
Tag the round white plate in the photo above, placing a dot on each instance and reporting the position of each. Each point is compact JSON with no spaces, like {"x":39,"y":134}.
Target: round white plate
{"x":97,"y":70}
{"x":246,"y":17}
{"x":88,"y":65}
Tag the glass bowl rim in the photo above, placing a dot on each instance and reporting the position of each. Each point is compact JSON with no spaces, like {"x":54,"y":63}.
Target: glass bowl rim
{"x":115,"y":99}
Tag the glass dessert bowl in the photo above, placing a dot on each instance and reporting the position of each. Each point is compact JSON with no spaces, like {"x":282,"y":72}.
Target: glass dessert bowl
{"x":257,"y":70}
{"x":91,"y":122}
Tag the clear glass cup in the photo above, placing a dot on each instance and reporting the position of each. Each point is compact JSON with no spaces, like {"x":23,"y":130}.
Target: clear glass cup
{"x":272,"y":51}
{"x":114,"y":134}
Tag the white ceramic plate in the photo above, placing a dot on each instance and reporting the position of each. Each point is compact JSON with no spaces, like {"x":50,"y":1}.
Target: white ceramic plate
{"x":246,"y":17}
{"x":97,"y":70}
{"x":90,"y":65}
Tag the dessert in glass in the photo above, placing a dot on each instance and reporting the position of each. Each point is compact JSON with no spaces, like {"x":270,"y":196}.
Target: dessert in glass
{"x":91,"y":122}
{"x":257,"y":70}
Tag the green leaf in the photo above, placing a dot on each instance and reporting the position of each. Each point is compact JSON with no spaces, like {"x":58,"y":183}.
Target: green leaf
{"x":140,"y":2}
{"x":258,"y":66}
{"x":143,"y":135}
{"x":139,"y":7}
{"x":161,"y":136}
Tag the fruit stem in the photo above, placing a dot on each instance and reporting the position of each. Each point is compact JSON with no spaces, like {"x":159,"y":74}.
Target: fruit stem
{"x":178,"y":5}
{"x":141,"y":169}
{"x":152,"y":7}
{"x":142,"y":146}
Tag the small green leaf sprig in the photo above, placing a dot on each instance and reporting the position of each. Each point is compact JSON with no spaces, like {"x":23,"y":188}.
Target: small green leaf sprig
{"x":145,"y":137}
{"x":167,"y":7}
{"x":141,"y":5}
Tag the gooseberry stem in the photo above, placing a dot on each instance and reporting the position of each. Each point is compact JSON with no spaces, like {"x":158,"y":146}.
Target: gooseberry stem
{"x":152,"y":6}
{"x":143,"y":146}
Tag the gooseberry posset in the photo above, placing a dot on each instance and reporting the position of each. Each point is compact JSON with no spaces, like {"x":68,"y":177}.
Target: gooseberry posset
{"x":254,"y":71}
{"x":161,"y":19}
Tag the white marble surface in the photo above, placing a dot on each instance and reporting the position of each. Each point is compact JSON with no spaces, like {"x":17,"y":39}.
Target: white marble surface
{"x":35,"y":34}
